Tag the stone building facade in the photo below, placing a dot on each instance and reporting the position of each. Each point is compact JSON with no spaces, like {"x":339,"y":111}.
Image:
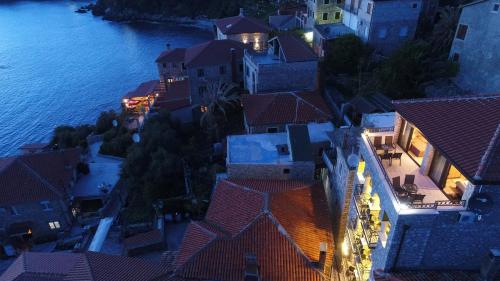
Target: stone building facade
{"x":287,"y":171}
{"x":323,"y":12}
{"x":478,"y":71}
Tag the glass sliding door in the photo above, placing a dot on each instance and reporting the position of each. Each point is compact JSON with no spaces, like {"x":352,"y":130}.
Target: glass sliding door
{"x":439,"y":169}
{"x":404,"y":135}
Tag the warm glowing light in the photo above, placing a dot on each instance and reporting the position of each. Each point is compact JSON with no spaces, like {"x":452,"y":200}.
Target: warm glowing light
{"x":29,"y":231}
{"x":345,"y":248}
{"x":309,"y":36}
{"x":125,"y":100}
{"x":256,"y":46}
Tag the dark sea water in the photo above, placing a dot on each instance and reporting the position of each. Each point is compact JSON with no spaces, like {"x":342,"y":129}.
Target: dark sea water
{"x":59,"y":67}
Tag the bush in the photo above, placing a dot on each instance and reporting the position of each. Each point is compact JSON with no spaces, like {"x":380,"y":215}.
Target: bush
{"x":346,"y":55}
{"x":69,"y":137}
{"x":105,"y":121}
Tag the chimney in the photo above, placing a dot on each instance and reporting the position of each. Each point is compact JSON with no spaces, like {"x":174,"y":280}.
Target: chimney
{"x":322,"y":255}
{"x":251,"y":268}
{"x":242,"y":12}
{"x":490,"y":266}
{"x":234,"y":66}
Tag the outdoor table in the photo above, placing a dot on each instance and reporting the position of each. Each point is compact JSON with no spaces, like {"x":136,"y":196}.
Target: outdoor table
{"x":410,"y":187}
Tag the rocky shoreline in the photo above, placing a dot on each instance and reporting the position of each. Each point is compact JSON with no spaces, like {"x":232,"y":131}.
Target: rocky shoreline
{"x":129,"y":15}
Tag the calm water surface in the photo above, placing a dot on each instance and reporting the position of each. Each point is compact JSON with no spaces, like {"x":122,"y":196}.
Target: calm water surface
{"x":58,"y":67}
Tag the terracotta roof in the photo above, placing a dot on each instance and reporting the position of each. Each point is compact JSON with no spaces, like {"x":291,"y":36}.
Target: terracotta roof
{"x":465,"y":129}
{"x":143,"y":239}
{"x":87,"y":266}
{"x":214,"y":52}
{"x":262,"y":221}
{"x":285,"y":108}
{"x":174,"y":55}
{"x":441,"y":275}
{"x":144,"y":89}
{"x":176,"y":96}
{"x":295,"y":49}
{"x":37,"y":176}
{"x":241,"y":24}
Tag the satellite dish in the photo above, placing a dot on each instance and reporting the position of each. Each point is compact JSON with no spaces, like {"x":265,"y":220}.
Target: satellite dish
{"x":115,"y":123}
{"x":481,"y":203}
{"x":136,"y":138}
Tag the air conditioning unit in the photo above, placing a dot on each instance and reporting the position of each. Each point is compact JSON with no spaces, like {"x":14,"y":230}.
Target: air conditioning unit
{"x":467,"y":217}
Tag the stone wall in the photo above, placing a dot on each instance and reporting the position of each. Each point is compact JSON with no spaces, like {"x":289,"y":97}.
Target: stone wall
{"x":297,"y":171}
{"x":479,"y":62}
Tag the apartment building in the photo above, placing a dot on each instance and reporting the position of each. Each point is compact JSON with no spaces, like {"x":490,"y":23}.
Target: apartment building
{"x":323,"y":12}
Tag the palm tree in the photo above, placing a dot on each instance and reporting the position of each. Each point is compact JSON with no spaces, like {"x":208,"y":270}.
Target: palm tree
{"x":444,"y":30}
{"x":221,"y":97}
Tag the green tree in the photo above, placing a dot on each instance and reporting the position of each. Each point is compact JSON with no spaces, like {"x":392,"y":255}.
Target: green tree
{"x":105,"y":121}
{"x":346,"y":55}
{"x":444,"y":30}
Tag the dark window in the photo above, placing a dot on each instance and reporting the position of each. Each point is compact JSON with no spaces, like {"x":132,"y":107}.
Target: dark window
{"x":369,"y":8}
{"x":241,"y":67}
{"x":339,"y":2}
{"x":414,"y":5}
{"x":456,"y":57}
{"x":183,"y":66}
{"x":462,"y":31}
{"x":164,"y":65}
{"x":327,"y":2}
{"x":202,"y":90}
{"x":272,"y":130}
{"x":201,"y":72}
{"x":222,"y":69}
{"x":496,"y":7}
{"x":286,"y":171}
{"x":337,"y":15}
{"x":320,"y":152}
{"x":325,"y":16}
{"x":174,"y":65}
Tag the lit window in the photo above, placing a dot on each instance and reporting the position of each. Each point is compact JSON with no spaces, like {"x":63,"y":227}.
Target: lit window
{"x":54,"y":225}
{"x":462,"y":31}
{"x":203,"y":109}
{"x":46,"y":206}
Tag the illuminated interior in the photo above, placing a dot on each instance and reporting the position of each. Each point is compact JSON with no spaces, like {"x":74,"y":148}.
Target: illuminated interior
{"x":417,"y":146}
{"x":455,"y":183}
{"x":138,"y":104}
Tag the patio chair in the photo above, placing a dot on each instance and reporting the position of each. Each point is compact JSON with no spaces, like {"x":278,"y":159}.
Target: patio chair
{"x":397,"y":155}
{"x":388,"y":141}
{"x":409,"y":179}
{"x":386,"y":156}
{"x":377,"y":142}
{"x":396,"y":184}
{"x":417,"y":198}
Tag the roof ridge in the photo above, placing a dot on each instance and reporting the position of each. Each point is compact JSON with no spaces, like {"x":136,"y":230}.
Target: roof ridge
{"x":488,"y":154}
{"x":452,"y":98}
{"x":309,"y":103}
{"x":43,"y":180}
{"x":205,"y":229}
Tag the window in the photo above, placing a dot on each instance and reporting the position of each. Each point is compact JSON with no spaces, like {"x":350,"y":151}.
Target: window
{"x":272,"y":130}
{"x":456,"y":57}
{"x":164,"y":65}
{"x":414,"y":5}
{"x":462,"y":31}
{"x":203,"y":108}
{"x":13,"y":211}
{"x":174,"y":65}
{"x":222,"y":69}
{"x":201,"y":72}
{"x":183,"y":66}
{"x":325,"y":16}
{"x":46,"y":206}
{"x":369,"y":7}
{"x":286,"y":171}
{"x":496,"y":7}
{"x":241,"y":67}
{"x":403,"y":32}
{"x":202,"y":90}
{"x":382,"y":33}
{"x":327,"y":2}
{"x":337,"y":15}
{"x":54,"y":225}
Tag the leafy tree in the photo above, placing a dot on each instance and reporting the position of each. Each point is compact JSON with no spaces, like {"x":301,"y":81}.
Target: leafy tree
{"x":105,"y":121}
{"x":69,"y":137}
{"x":346,"y":55}
{"x":221,"y":97}
{"x":444,"y":30}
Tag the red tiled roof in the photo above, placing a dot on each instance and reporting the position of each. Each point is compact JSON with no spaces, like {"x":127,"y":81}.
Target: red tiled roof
{"x":284,"y":236}
{"x":37,"y":176}
{"x":295,"y":49}
{"x":465,"y":129}
{"x":176,"y":96}
{"x":175,"y":55}
{"x":143,"y":239}
{"x":241,"y":24}
{"x":214,"y":52}
{"x":285,"y":108}
{"x":87,"y":266}
{"x":144,"y":89}
{"x":198,"y":238}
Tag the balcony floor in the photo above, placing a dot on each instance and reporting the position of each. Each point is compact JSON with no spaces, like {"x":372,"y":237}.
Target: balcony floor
{"x":408,"y":167}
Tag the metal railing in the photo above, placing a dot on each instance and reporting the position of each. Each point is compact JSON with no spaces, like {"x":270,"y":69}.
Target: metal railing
{"x":411,"y":205}
{"x":371,"y":235}
{"x":380,"y":130}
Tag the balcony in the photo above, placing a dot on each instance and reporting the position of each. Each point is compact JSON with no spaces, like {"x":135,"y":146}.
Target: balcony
{"x":369,"y":226}
{"x":360,"y":262}
{"x":434,"y":197}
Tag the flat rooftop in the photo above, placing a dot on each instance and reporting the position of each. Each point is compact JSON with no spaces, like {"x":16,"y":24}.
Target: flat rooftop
{"x":261,"y":148}
{"x":333,"y":30}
